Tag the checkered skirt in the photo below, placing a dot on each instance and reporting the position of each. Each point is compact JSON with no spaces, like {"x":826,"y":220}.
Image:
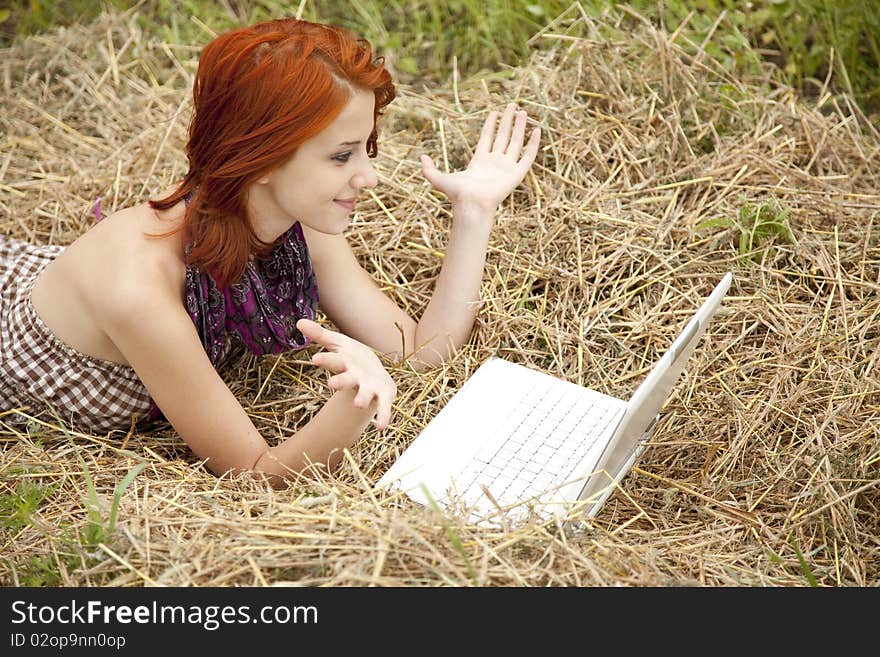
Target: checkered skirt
{"x":42,"y":376}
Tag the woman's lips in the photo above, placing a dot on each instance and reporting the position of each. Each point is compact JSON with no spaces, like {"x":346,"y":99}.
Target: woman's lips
{"x":347,"y":203}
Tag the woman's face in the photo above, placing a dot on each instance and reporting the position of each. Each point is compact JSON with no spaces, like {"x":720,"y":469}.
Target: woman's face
{"x":319,"y":185}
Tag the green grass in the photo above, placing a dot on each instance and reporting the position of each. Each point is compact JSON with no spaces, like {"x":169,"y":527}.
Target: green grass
{"x":452,"y":535}
{"x":427,"y":38}
{"x":805,"y":569}
{"x":805,"y":38}
{"x":77,"y":546}
{"x":423,"y":38}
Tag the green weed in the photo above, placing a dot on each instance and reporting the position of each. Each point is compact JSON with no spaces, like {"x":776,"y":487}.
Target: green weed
{"x":802,"y":562}
{"x":16,"y":507}
{"x":452,"y":535}
{"x":805,"y":567}
{"x":101,"y":529}
{"x":759,"y":226}
{"x":46,"y":570}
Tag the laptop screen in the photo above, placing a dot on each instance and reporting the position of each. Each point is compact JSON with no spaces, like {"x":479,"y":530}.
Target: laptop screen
{"x":645,"y":404}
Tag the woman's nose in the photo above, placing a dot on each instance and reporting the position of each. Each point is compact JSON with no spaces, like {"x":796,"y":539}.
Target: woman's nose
{"x":366,"y":177}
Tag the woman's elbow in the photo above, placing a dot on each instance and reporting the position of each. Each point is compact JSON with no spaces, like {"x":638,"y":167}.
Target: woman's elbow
{"x":267,"y":467}
{"x":264,"y":468}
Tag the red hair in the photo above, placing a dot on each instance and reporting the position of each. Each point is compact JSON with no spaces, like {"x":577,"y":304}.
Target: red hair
{"x":259,"y":93}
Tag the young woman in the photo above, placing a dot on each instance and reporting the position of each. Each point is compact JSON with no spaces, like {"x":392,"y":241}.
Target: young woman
{"x":134,"y":318}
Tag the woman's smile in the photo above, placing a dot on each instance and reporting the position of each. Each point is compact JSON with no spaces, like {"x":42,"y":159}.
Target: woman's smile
{"x":348,"y":203}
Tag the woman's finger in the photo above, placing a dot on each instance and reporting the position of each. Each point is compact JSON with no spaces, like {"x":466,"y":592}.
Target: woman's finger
{"x":317,"y":333}
{"x":517,"y":137}
{"x":430,"y":170}
{"x":330,"y":361}
{"x":487,"y":132}
{"x":502,"y":137}
{"x":530,"y":152}
{"x":383,"y":410}
{"x":364,"y":397}
{"x":383,"y":416}
{"x":342,"y":381}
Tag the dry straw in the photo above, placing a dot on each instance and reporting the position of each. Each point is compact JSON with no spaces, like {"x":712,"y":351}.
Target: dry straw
{"x":658,"y":173}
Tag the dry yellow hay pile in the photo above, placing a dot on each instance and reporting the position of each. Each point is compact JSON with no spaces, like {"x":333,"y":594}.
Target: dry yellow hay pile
{"x":764,"y":469}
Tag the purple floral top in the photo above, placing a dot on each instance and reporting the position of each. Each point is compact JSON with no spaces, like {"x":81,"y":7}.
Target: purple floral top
{"x":260,"y":311}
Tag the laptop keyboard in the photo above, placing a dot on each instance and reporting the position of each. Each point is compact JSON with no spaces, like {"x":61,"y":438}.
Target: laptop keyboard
{"x":539,"y":444}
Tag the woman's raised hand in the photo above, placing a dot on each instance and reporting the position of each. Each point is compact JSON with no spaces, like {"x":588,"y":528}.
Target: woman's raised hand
{"x":354,"y":366}
{"x":499,"y":164}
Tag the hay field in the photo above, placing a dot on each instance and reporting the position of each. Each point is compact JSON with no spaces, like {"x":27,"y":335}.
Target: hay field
{"x":658,"y":173}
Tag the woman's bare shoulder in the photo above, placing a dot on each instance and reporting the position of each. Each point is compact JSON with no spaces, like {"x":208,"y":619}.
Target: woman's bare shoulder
{"x":111,"y":272}
{"x":139,"y":253}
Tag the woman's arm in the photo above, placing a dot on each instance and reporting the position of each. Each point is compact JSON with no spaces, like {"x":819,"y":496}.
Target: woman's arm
{"x":499,"y":164}
{"x":337,"y":425}
{"x":352,"y":300}
{"x":158,"y":339}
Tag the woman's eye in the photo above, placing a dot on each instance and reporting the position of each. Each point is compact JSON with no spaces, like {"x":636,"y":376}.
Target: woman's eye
{"x":342,"y":157}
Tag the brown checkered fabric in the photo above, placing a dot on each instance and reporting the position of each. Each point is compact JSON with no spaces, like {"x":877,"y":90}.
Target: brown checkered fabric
{"x":42,"y":373}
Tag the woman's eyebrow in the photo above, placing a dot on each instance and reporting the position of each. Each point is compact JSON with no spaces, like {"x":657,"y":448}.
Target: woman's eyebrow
{"x":350,"y":143}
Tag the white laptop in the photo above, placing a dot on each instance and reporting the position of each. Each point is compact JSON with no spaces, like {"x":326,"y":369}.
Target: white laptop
{"x":514,"y":441}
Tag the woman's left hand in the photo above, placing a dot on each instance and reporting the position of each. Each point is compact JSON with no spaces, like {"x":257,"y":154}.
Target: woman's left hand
{"x":499,"y":164}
